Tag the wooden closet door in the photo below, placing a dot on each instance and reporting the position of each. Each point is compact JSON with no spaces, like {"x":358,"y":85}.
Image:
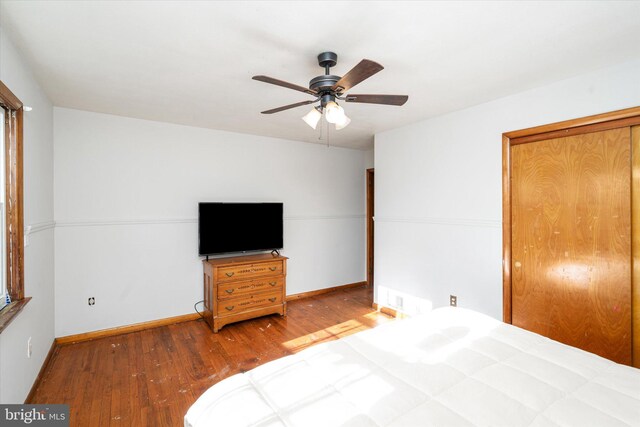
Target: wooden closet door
{"x":571,"y":240}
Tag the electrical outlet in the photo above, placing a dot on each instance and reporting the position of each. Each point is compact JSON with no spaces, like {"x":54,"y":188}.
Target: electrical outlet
{"x":92,"y":301}
{"x":399,"y":301}
{"x":453,"y":300}
{"x":29,"y":348}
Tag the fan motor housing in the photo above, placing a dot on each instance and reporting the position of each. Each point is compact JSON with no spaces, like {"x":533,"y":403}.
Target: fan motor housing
{"x":323,"y":83}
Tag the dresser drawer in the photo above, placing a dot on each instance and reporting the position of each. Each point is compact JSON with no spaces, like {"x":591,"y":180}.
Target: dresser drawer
{"x":248,"y":302}
{"x":237,"y":272}
{"x":236,"y":289}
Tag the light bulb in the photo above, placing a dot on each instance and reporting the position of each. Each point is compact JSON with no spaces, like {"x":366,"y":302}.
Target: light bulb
{"x":312,"y":118}
{"x":343,"y":123}
{"x":334,"y":113}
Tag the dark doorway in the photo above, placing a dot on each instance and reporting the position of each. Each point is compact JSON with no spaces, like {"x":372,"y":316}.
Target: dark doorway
{"x":370,"y":227}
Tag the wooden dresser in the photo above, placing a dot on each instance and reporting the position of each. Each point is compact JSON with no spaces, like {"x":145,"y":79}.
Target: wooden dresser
{"x":244,"y":287}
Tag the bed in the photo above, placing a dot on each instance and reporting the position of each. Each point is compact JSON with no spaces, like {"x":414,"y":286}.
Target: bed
{"x":451,"y":367}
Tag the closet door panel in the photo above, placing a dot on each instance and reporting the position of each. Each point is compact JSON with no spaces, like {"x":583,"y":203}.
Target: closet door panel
{"x":571,"y":240}
{"x":635,"y":245}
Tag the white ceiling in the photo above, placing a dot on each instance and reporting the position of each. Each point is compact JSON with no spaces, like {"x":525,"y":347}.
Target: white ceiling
{"x":191,"y":62}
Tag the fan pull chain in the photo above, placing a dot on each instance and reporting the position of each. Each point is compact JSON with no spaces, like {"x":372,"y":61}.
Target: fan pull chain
{"x":321,"y":128}
{"x":327,"y":125}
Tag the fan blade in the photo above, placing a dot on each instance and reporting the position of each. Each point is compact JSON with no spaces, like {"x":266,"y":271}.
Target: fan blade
{"x":360,"y":72}
{"x":286,"y":107}
{"x":378,"y":99}
{"x":284,"y":84}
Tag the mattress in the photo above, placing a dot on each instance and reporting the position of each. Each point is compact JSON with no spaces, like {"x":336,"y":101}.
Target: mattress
{"x":451,"y":367}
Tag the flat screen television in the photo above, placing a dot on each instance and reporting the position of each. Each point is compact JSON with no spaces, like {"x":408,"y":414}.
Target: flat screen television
{"x":239,"y":227}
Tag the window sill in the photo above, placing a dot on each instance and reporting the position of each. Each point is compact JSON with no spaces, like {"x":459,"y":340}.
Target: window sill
{"x":11,"y":311}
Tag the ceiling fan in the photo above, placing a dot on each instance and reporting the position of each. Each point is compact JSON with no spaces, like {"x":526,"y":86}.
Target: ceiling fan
{"x":328,"y":88}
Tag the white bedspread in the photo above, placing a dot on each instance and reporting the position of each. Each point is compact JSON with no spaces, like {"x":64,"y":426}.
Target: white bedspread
{"x":451,"y":367}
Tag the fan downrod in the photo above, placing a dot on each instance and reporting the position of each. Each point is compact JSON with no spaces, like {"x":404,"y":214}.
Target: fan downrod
{"x":323,"y":84}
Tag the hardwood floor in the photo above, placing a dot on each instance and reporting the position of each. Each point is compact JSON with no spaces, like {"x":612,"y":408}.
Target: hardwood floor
{"x":150,"y":378}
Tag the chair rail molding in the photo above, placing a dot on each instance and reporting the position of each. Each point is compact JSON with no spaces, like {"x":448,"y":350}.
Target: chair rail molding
{"x":467,"y":222}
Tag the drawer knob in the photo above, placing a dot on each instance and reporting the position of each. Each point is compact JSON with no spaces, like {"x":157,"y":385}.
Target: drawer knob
{"x":273,"y":268}
{"x":273,"y":283}
{"x":273,"y":299}
{"x":229,"y":291}
{"x":230,"y":307}
{"x":229,"y":274}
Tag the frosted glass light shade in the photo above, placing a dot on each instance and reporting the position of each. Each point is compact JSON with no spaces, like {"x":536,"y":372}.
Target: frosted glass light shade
{"x":334,"y":113}
{"x":312,"y":118}
{"x":343,"y":123}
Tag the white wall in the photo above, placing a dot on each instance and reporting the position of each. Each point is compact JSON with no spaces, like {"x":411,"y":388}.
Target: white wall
{"x":369,"y":159}
{"x":17,"y":372}
{"x":439,"y":194}
{"x":126,"y":194}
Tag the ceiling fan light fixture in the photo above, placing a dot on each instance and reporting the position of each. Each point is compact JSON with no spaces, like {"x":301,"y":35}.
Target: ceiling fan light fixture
{"x":343,"y":123}
{"x":312,"y":117}
{"x":334,"y":113}
{"x":327,"y":88}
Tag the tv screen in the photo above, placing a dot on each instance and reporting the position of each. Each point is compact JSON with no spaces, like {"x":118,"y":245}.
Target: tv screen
{"x":239,"y":227}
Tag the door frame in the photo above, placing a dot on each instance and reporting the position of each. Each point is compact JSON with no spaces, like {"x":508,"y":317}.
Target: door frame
{"x":599,"y":122}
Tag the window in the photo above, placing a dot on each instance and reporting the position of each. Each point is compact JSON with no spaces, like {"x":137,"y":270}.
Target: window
{"x":11,"y":221}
